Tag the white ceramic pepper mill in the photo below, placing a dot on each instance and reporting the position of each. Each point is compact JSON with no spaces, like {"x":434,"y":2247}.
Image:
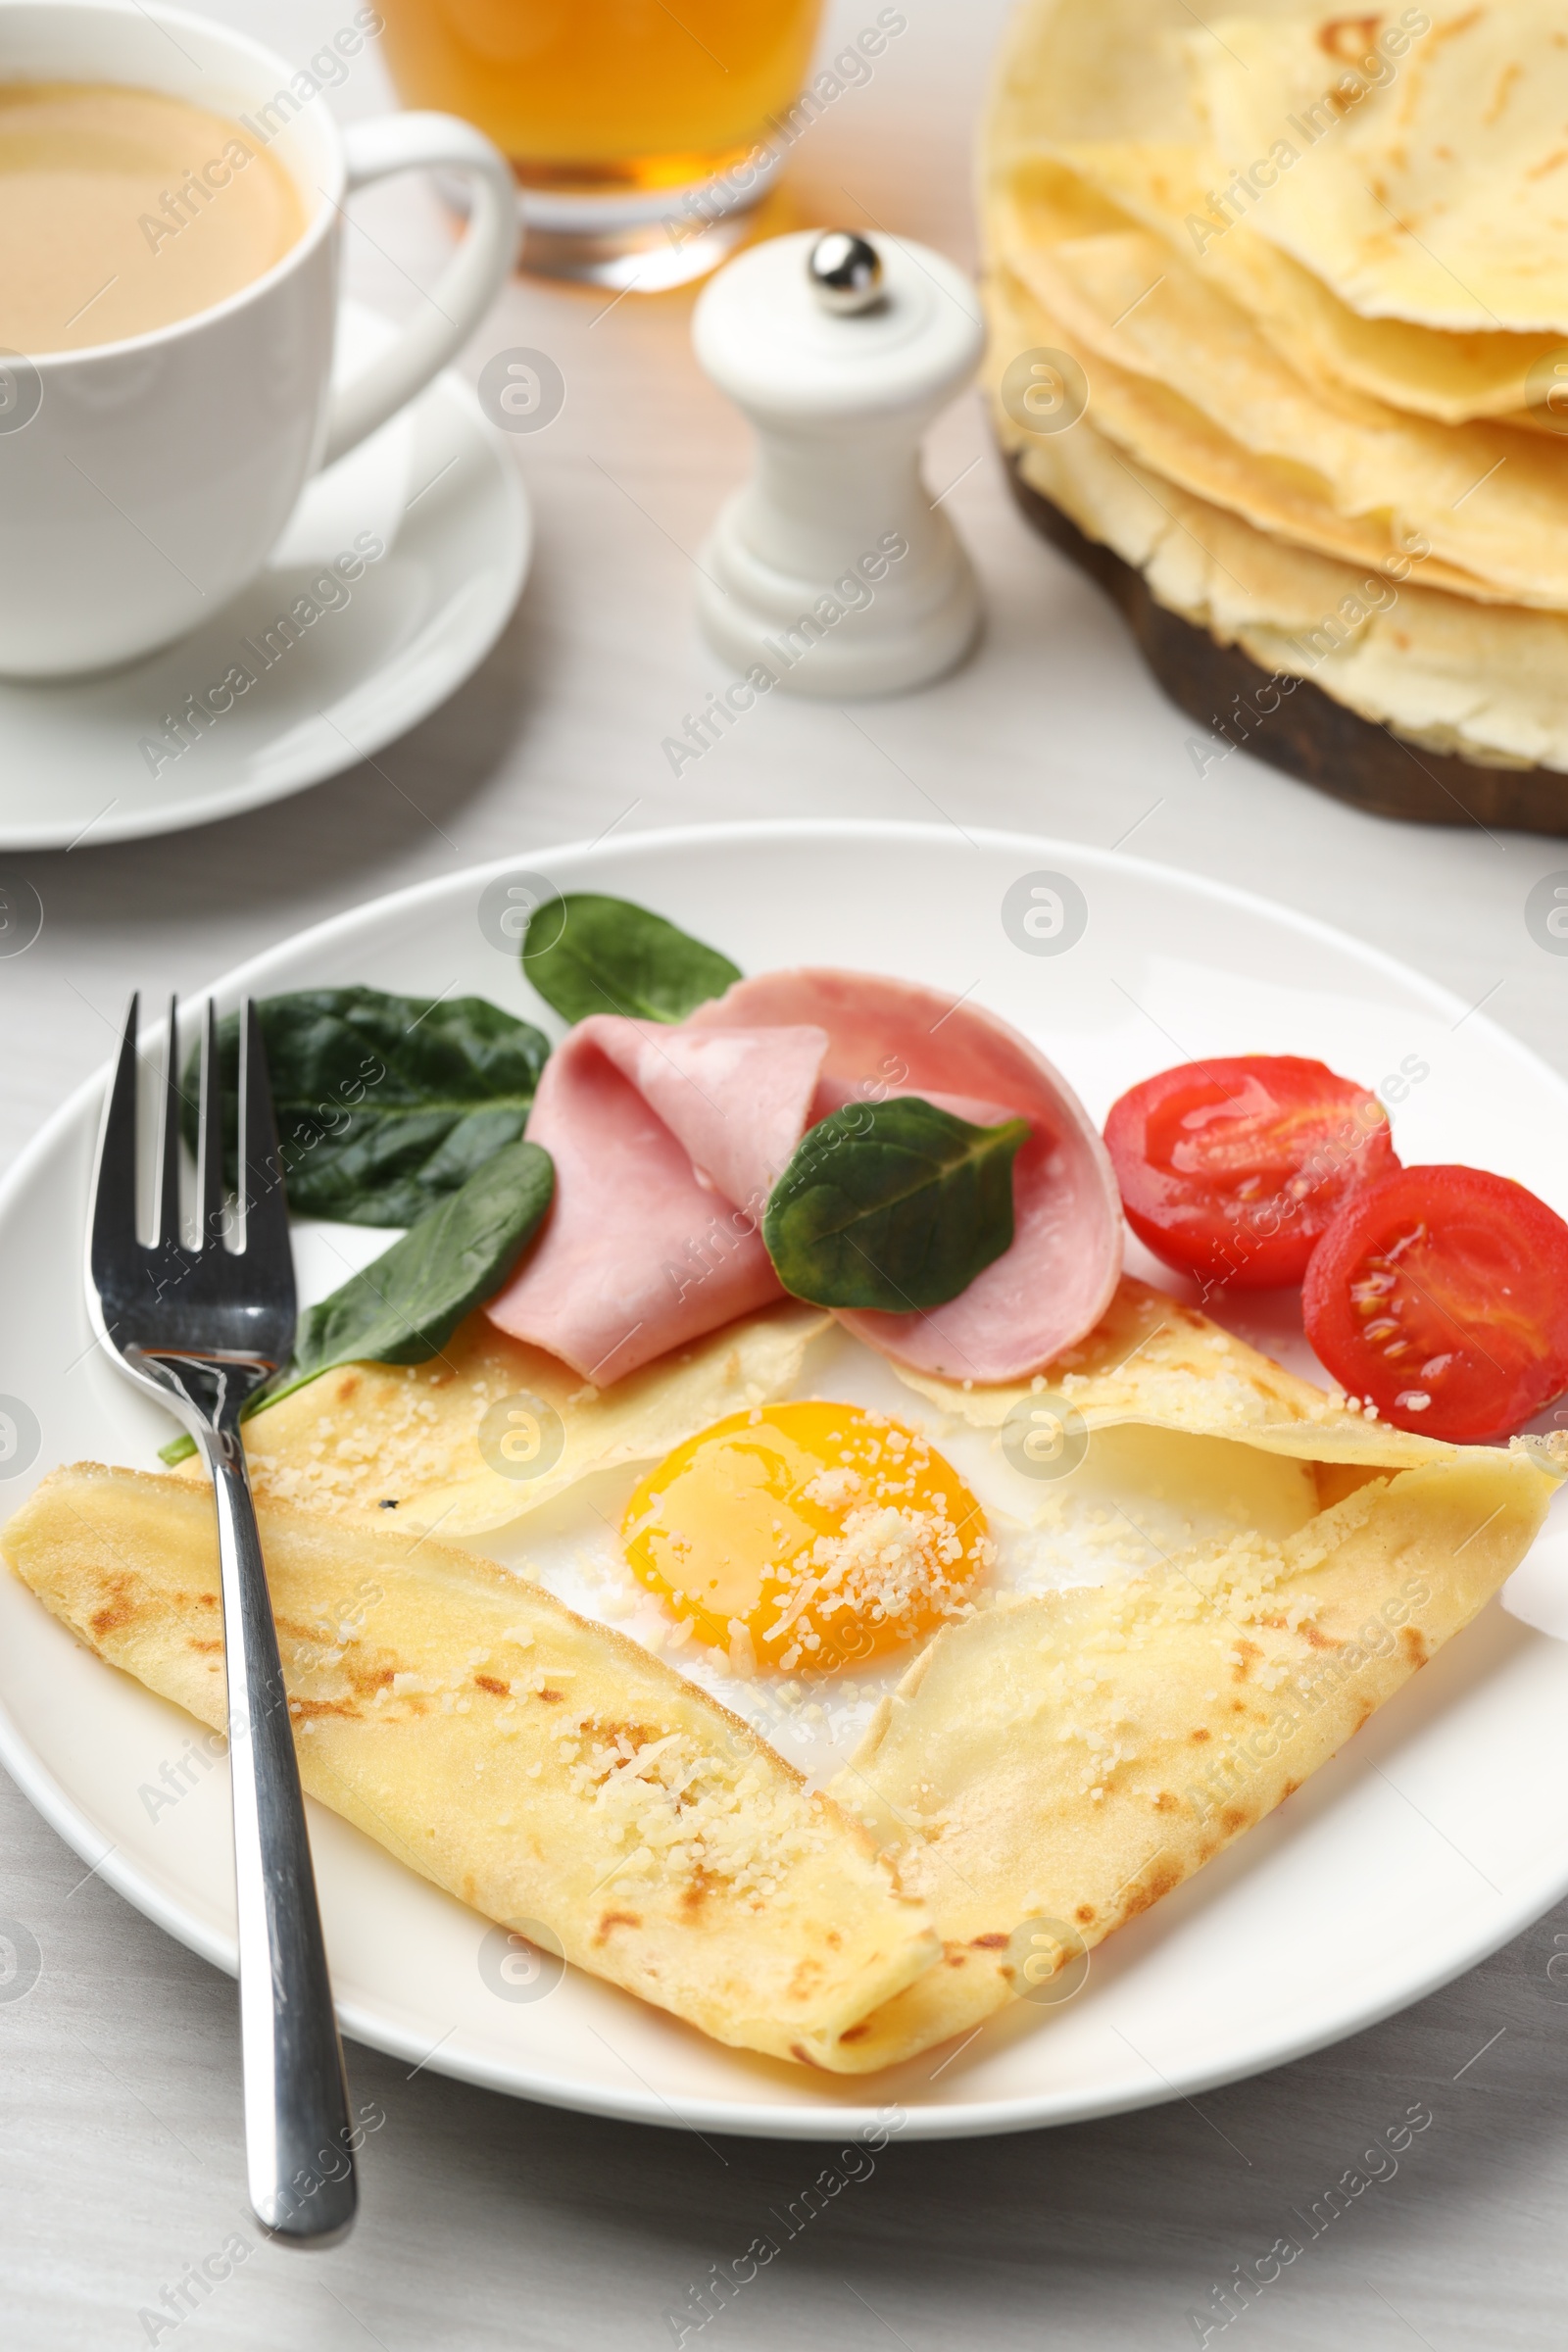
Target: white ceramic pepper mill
{"x":832,"y":568}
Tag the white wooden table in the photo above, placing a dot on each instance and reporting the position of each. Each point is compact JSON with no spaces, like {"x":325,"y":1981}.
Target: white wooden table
{"x":488,"y":2223}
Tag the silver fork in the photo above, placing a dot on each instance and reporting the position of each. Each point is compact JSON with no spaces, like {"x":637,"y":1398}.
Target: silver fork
{"x":201,"y":1329}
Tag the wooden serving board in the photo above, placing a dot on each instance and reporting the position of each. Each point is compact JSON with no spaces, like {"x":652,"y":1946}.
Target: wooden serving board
{"x":1308,"y":735}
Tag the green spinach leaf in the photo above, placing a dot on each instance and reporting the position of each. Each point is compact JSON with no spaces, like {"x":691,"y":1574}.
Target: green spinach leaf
{"x":405,"y":1306}
{"x":385,"y":1104}
{"x":896,"y":1205}
{"x":403,"y":1309}
{"x":588,"y":953}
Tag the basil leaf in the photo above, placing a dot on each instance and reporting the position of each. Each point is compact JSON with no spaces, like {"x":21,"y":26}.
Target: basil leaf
{"x":896,"y":1205}
{"x":405,"y":1306}
{"x":588,"y":953}
{"x":385,"y":1104}
{"x":403,"y":1309}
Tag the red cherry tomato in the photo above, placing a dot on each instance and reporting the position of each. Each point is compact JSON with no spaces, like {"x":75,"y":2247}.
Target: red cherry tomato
{"x":1232,"y":1170}
{"x":1441,"y":1295}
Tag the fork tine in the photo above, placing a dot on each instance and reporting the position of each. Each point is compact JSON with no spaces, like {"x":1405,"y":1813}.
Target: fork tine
{"x":210,"y":1173}
{"x":113,"y":1208}
{"x":169,"y":1232}
{"x":260,"y":1160}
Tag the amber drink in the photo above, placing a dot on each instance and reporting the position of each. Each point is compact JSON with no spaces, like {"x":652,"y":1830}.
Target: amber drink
{"x":634,"y":127}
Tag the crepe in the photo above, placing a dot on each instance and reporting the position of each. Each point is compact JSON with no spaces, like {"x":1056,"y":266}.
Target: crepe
{"x":539,"y":1767}
{"x":1168,"y":436}
{"x":1158,"y":1364}
{"x":368,"y":1439}
{"x":1108,"y":93}
{"x":1438,"y":197}
{"x":1115,"y":71}
{"x":1049,"y":1770}
{"x":1184,"y":379}
{"x":1488,"y":683}
{"x":1165,"y":185}
{"x":1043,"y":1772}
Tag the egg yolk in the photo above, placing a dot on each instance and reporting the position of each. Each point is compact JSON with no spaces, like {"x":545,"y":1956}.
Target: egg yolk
{"x":818,"y":1535}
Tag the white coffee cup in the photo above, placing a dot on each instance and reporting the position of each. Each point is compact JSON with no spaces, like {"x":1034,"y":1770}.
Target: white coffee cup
{"x":143,"y":483}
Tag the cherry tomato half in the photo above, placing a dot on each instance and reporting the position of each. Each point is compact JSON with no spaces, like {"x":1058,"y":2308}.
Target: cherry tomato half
{"x":1232,"y":1170}
{"x":1442,"y":1295}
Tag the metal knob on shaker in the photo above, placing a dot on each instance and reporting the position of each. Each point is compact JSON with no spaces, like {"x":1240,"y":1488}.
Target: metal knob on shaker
{"x":831,"y":566}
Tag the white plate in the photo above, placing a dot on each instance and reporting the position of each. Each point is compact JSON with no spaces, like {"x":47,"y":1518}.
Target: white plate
{"x":439,"y":490}
{"x":1438,"y":1833}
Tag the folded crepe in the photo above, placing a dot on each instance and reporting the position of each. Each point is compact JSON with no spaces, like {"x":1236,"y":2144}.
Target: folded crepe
{"x":1165,"y":185}
{"x":1430,"y":200}
{"x":539,"y":1767}
{"x":1045,"y":1771}
{"x":1152,"y":1362}
{"x":1437,"y":193}
{"x":1488,"y":682}
{"x":1319,"y":366}
{"x":368,"y":1440}
{"x":1182,"y":378}
{"x":1048,"y":1770}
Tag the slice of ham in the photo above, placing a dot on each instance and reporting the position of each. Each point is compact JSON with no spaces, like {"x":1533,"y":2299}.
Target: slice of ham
{"x":669,"y":1140}
{"x":888,"y":1037}
{"x":666,"y":1142}
{"x":737,"y":1100}
{"x":836,"y":1094}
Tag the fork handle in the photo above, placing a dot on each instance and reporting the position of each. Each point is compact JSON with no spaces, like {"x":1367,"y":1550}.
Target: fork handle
{"x":298,"y":2138}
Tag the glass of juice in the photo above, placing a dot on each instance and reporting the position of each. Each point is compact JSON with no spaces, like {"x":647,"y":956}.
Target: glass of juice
{"x":641,"y":132}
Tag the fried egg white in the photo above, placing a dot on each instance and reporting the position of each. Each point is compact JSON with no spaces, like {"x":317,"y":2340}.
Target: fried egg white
{"x":1133,"y":1496}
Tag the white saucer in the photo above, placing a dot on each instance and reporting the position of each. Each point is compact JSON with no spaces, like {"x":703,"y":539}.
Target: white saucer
{"x":437,"y":489}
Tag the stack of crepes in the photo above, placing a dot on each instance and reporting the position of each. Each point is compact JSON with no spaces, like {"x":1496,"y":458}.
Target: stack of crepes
{"x":1314,"y":271}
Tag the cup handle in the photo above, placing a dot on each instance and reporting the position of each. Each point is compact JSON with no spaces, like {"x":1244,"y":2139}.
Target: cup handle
{"x":465,"y":288}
